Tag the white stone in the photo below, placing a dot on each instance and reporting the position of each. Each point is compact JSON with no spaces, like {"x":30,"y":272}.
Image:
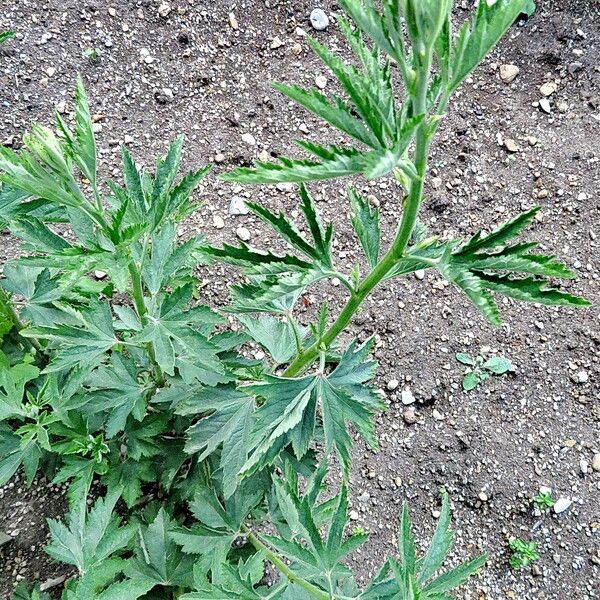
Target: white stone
{"x":319,"y":19}
{"x":249,"y":139}
{"x":392,"y":384}
{"x":218,"y":222}
{"x":562,"y":504}
{"x":420,"y":274}
{"x":238,"y":206}
{"x":407,"y":397}
{"x":243,"y":234}
{"x":321,"y":82}
{"x":548,"y":88}
{"x":164,"y":9}
{"x":545,"y":105}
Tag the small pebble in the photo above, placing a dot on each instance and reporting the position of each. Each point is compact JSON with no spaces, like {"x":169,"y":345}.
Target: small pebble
{"x":508,"y":73}
{"x":218,"y":222}
{"x":420,"y":274}
{"x":545,"y":105}
{"x":562,"y":504}
{"x":243,"y":234}
{"x":548,"y":88}
{"x":238,"y":206}
{"x":164,"y":10}
{"x":392,"y":384}
{"x":409,"y":416}
{"x":319,"y":20}
{"x":407,"y":397}
{"x":249,"y":139}
{"x":321,"y":81}
{"x":596,"y":462}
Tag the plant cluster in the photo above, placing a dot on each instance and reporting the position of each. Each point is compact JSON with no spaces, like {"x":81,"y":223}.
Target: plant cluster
{"x":481,"y":370}
{"x":523,"y":553}
{"x":206,"y":464}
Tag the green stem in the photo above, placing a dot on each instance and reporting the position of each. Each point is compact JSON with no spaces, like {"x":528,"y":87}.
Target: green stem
{"x":140,"y":307}
{"x":284,"y":569}
{"x":396,"y":251}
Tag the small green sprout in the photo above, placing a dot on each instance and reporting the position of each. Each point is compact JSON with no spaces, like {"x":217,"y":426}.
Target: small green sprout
{"x":92,"y":54}
{"x":544,"y":500}
{"x":523,"y":553}
{"x":482,"y":370}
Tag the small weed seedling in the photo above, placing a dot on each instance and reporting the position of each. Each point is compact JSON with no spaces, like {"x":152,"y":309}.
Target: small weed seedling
{"x":544,"y":500}
{"x":523,"y":553}
{"x":481,"y":370}
{"x":92,"y":54}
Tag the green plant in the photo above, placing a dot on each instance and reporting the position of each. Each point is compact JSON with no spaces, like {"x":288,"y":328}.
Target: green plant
{"x":544,"y":500}
{"x":481,"y":370}
{"x":92,"y":54}
{"x":114,"y":372}
{"x":6,"y":35}
{"x":523,"y":553}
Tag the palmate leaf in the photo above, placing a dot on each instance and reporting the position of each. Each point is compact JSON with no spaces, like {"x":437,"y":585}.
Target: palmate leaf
{"x":13,"y":380}
{"x":129,"y":476}
{"x":276,"y":281}
{"x":91,"y":338}
{"x":235,"y":582}
{"x":178,"y":335}
{"x":228,"y":421}
{"x":314,"y":556}
{"x":158,"y":558}
{"x":25,"y":592}
{"x":490,"y":263}
{"x":289,"y":412}
{"x":417,"y":578}
{"x":156,"y":199}
{"x":116,"y":391}
{"x":104,"y":582}
{"x":38,"y":290}
{"x":89,"y":537}
{"x":277,"y":337}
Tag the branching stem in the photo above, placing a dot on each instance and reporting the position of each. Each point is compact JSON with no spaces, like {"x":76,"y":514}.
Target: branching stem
{"x":397,"y":249}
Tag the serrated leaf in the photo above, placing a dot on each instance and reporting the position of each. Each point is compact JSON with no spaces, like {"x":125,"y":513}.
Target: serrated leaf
{"x":81,"y":143}
{"x":157,"y":556}
{"x":229,"y":424}
{"x":440,"y":546}
{"x":6,"y":35}
{"x":277,"y":337}
{"x":89,"y":538}
{"x":365,"y":221}
{"x":288,"y":414}
{"x":492,"y":263}
{"x":477,"y":37}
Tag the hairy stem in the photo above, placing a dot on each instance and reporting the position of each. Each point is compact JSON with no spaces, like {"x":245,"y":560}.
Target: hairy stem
{"x":397,"y":249}
{"x":277,"y":561}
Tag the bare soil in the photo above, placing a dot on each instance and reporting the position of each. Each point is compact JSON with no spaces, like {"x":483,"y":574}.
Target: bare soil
{"x":491,"y":448}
